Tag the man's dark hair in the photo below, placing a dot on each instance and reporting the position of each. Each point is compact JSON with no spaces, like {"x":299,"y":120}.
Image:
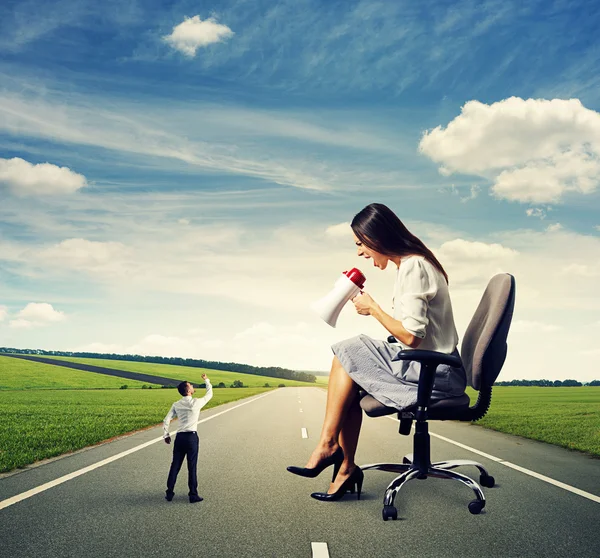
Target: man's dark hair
{"x":183,"y":388}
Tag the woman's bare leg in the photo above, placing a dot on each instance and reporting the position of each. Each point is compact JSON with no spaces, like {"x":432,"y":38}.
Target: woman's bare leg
{"x":349,"y":441}
{"x":340,"y":394}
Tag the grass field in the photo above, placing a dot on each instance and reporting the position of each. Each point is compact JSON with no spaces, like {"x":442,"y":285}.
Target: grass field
{"x":57,"y":421}
{"x":564,"y":416}
{"x":188,"y":373}
{"x":24,"y":374}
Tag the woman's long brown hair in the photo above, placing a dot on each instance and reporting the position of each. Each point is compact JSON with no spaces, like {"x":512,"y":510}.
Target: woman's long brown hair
{"x":380,"y":229}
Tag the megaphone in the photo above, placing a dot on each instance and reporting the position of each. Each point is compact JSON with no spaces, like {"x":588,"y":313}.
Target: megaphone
{"x":346,"y":287}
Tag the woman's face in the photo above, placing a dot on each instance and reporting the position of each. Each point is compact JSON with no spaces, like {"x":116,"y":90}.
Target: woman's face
{"x":379,"y":260}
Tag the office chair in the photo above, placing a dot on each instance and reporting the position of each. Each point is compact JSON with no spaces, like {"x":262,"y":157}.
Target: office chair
{"x":483,"y":352}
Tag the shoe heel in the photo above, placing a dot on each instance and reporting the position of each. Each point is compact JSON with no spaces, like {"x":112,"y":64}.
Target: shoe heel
{"x":359,"y":484}
{"x":336,"y":468}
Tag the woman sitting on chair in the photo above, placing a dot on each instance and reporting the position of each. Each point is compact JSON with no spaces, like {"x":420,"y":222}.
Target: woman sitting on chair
{"x":422,"y":317}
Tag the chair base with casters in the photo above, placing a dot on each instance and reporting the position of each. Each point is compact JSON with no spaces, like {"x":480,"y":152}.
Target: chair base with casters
{"x":409,"y":470}
{"x":483,"y":354}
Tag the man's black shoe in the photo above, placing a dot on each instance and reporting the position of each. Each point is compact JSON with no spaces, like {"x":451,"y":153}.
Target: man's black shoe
{"x":169,"y":496}
{"x":194,"y":499}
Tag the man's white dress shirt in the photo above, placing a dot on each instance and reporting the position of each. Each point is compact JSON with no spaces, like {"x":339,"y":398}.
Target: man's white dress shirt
{"x":187,"y":410}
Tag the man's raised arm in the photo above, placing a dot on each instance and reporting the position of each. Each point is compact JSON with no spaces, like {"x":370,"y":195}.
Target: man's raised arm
{"x":209,"y":392}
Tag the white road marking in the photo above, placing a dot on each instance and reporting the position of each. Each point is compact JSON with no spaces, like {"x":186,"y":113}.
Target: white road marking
{"x":568,"y":487}
{"x":483,"y":454}
{"x":74,"y":474}
{"x":544,"y":478}
{"x":304,"y":433}
{"x":319,"y":550}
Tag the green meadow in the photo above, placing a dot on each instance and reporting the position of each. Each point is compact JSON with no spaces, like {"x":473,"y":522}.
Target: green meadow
{"x":54,"y":422}
{"x":28,"y":375}
{"x":564,"y":416}
{"x":189,"y":373}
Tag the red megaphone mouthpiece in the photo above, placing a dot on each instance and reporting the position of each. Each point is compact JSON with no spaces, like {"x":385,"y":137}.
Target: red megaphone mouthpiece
{"x":355,"y":275}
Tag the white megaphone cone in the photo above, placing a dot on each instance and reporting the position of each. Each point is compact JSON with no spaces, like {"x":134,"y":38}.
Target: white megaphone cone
{"x":346,"y":287}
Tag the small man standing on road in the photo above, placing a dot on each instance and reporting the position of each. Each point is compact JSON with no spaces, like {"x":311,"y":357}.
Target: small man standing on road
{"x":187,"y":409}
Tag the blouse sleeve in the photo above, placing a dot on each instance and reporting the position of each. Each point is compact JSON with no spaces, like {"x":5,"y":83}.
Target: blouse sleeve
{"x":415,"y":289}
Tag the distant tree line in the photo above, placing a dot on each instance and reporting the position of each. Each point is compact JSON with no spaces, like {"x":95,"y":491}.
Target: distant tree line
{"x":272,"y":371}
{"x":548,"y":383}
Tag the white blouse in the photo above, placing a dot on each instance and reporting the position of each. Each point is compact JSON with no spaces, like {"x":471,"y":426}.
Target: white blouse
{"x":422,"y":303}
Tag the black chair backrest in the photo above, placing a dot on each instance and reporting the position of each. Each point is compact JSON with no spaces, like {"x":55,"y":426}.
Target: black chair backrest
{"x":483,"y":348}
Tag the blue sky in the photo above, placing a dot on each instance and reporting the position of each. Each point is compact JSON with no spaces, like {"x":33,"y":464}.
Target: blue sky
{"x":175,"y":176}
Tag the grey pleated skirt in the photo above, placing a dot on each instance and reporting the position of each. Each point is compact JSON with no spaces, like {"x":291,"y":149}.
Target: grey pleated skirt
{"x":372,"y":365}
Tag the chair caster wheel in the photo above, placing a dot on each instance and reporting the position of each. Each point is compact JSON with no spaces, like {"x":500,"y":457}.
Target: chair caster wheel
{"x":389,"y":512}
{"x":476,"y":506}
{"x":487,"y":480}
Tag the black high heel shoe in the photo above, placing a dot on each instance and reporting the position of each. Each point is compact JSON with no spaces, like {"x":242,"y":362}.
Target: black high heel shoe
{"x":355,"y":479}
{"x":334,"y":459}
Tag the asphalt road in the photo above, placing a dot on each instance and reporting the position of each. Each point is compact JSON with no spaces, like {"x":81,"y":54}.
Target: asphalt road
{"x":254,"y":508}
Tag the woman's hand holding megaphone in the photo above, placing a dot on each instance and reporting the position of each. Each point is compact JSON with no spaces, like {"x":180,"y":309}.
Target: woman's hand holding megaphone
{"x":364,"y":304}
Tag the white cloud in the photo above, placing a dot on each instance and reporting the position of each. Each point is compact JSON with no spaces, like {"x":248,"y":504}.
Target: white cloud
{"x":470,"y":262}
{"x":473,"y":250}
{"x":21,"y":324}
{"x":525,"y":326}
{"x":536,"y":212}
{"x":3,"y":313}
{"x":165,"y":345}
{"x":86,"y":255}
{"x":197,"y":331}
{"x":37,"y":314}
{"x":342,"y":230}
{"x":545,"y":181}
{"x":474,"y":192}
{"x":193,"y":33}
{"x":104,"y":348}
{"x":25,"y":179}
{"x":581,"y":270}
{"x":555,"y":227}
{"x":534,"y":150}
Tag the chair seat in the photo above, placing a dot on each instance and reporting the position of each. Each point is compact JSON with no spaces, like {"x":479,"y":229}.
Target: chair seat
{"x":442,"y":409}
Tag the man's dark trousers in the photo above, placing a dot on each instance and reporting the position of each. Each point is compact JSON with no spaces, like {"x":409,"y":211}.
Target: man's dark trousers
{"x":186,"y":444}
